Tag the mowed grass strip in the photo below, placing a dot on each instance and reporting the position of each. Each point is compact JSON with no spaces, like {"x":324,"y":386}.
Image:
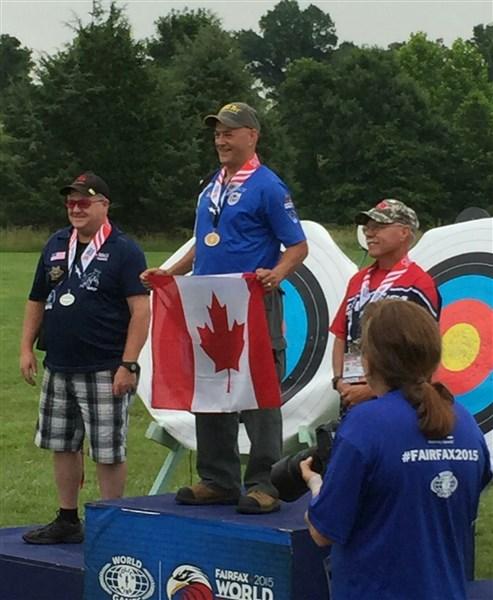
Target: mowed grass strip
{"x":27,"y":492}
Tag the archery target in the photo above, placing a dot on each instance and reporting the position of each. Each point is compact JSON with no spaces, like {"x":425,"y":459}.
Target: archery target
{"x":311,"y":297}
{"x":459,"y":257}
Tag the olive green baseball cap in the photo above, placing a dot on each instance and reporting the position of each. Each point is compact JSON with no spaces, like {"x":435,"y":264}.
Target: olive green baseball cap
{"x":235,"y":115}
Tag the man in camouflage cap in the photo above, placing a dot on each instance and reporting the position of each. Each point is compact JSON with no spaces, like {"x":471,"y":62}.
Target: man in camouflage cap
{"x":390,"y":211}
{"x":390,"y":228}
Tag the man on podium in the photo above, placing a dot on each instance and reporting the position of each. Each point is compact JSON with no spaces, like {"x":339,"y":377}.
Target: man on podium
{"x":244,"y":214}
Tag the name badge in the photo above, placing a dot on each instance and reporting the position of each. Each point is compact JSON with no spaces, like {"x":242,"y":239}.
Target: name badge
{"x":353,"y":371}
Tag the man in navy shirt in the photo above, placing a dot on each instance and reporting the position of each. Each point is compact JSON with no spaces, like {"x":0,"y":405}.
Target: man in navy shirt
{"x":243,"y":216}
{"x":90,"y":313}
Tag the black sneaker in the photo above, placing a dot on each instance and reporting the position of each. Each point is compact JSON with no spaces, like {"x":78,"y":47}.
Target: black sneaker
{"x":56,"y":532}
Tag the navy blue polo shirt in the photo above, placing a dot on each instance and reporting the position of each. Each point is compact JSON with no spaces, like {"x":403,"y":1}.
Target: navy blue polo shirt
{"x":90,"y":334}
{"x":255,"y":220}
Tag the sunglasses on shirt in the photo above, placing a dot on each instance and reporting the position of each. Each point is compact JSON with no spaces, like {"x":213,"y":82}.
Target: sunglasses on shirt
{"x":82,"y":203}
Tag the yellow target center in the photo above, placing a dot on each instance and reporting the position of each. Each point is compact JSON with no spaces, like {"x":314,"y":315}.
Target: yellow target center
{"x":460,"y":346}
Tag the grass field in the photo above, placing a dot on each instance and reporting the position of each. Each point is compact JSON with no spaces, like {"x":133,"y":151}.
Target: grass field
{"x":27,"y":493}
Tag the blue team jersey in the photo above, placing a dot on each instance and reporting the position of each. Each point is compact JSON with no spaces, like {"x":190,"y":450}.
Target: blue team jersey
{"x":90,"y":334}
{"x":398,"y":507}
{"x":255,"y":220}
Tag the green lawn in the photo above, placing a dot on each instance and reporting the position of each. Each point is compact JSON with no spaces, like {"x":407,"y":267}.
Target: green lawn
{"x":26,"y":486}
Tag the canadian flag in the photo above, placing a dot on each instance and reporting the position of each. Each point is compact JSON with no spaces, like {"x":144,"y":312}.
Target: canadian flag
{"x":211,"y":349}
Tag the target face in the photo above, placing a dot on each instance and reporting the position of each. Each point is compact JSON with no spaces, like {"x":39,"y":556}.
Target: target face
{"x":466,"y":324}
{"x":459,"y":258}
{"x":311,"y":297}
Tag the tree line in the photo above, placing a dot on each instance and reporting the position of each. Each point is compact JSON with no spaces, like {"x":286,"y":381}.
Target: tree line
{"x":344,"y":125}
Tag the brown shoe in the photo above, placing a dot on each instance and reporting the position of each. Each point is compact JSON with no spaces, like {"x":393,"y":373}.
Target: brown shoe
{"x":200,"y":493}
{"x":257,"y":502}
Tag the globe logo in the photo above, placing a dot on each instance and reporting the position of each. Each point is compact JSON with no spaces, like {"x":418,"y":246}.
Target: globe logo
{"x":188,"y":582}
{"x":126,"y":578}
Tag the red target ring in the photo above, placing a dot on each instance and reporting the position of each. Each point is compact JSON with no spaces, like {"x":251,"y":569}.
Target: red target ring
{"x":467,"y":347}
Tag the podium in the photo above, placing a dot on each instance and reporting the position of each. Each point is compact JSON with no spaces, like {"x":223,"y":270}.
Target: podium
{"x":152,"y":548}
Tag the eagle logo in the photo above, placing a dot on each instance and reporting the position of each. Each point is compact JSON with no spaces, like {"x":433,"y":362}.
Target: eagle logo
{"x":188,"y":582}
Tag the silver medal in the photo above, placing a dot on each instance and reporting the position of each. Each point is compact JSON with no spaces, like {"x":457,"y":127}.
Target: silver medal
{"x":67,"y":299}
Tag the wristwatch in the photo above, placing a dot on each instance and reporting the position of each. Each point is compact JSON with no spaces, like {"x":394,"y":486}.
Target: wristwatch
{"x":133,"y":367}
{"x":335,"y":381}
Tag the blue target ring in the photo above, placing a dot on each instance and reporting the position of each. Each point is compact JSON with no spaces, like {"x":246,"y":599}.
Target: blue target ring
{"x":306,"y":317}
{"x":296,"y":321}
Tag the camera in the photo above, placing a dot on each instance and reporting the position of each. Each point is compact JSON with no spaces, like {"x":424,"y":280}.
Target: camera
{"x":286,"y":473}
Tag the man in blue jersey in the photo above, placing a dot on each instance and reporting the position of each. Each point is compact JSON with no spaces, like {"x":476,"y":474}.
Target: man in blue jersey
{"x":93,"y":312}
{"x":243,"y":216}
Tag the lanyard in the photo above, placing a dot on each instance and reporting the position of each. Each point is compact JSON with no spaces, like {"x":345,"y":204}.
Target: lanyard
{"x":219,"y":192}
{"x":92,"y":249}
{"x":365,"y":296}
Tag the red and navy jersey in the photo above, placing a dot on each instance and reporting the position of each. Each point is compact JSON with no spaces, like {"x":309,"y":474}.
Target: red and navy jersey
{"x":414,"y":285}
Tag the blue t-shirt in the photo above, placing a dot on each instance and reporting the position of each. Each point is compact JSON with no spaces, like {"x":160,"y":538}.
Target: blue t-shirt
{"x":399,"y":507}
{"x":255,"y":219}
{"x":90,"y":334}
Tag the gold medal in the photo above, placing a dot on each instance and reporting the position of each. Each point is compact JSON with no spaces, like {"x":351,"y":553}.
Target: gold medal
{"x":212,"y":239}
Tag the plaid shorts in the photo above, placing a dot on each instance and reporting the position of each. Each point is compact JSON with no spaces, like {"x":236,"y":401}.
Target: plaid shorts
{"x":75,"y":404}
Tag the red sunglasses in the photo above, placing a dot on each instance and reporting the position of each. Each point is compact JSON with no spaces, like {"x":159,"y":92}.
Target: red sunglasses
{"x":82,"y":203}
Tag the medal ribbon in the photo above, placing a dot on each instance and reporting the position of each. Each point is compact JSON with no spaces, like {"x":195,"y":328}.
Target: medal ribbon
{"x":218,"y":195}
{"x":92,"y":249}
{"x":365,"y":296}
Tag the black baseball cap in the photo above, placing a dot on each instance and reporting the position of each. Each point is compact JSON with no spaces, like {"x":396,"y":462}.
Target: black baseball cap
{"x":235,"y":115}
{"x":87,"y":183}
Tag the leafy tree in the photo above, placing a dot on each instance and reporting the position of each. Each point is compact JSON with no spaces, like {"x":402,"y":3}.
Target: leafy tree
{"x":176,"y":29}
{"x":206,"y":73}
{"x":364,"y":133}
{"x":287,"y":34}
{"x":15,"y":61}
{"x":483,"y":40}
{"x":96,"y":107}
{"x":455,"y":80}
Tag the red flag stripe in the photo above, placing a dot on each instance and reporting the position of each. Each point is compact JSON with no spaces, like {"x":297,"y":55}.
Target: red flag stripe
{"x":261,"y":358}
{"x":172,"y":349}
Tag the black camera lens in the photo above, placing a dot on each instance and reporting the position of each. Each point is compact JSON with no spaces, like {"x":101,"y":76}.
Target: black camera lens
{"x":286,"y":473}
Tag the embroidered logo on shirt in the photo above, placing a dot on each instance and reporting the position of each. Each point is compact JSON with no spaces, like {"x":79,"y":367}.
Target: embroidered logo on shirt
{"x":90,"y":281}
{"x":290,"y":209}
{"x":234,"y":198}
{"x":103,"y":256}
{"x":444,"y":484}
{"x":55,"y":273}
{"x":58,"y":255}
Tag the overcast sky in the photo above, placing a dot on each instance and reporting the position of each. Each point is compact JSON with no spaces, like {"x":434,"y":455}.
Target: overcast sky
{"x":42,"y":24}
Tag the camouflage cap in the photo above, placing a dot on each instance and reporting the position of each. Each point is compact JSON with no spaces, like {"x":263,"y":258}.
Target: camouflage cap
{"x":235,"y":115}
{"x":389,"y":211}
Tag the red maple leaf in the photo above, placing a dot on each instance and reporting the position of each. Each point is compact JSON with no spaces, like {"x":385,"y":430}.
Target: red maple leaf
{"x":223,"y":345}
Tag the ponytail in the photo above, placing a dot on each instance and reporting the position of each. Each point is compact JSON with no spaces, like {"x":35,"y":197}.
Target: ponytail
{"x":434,"y":407}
